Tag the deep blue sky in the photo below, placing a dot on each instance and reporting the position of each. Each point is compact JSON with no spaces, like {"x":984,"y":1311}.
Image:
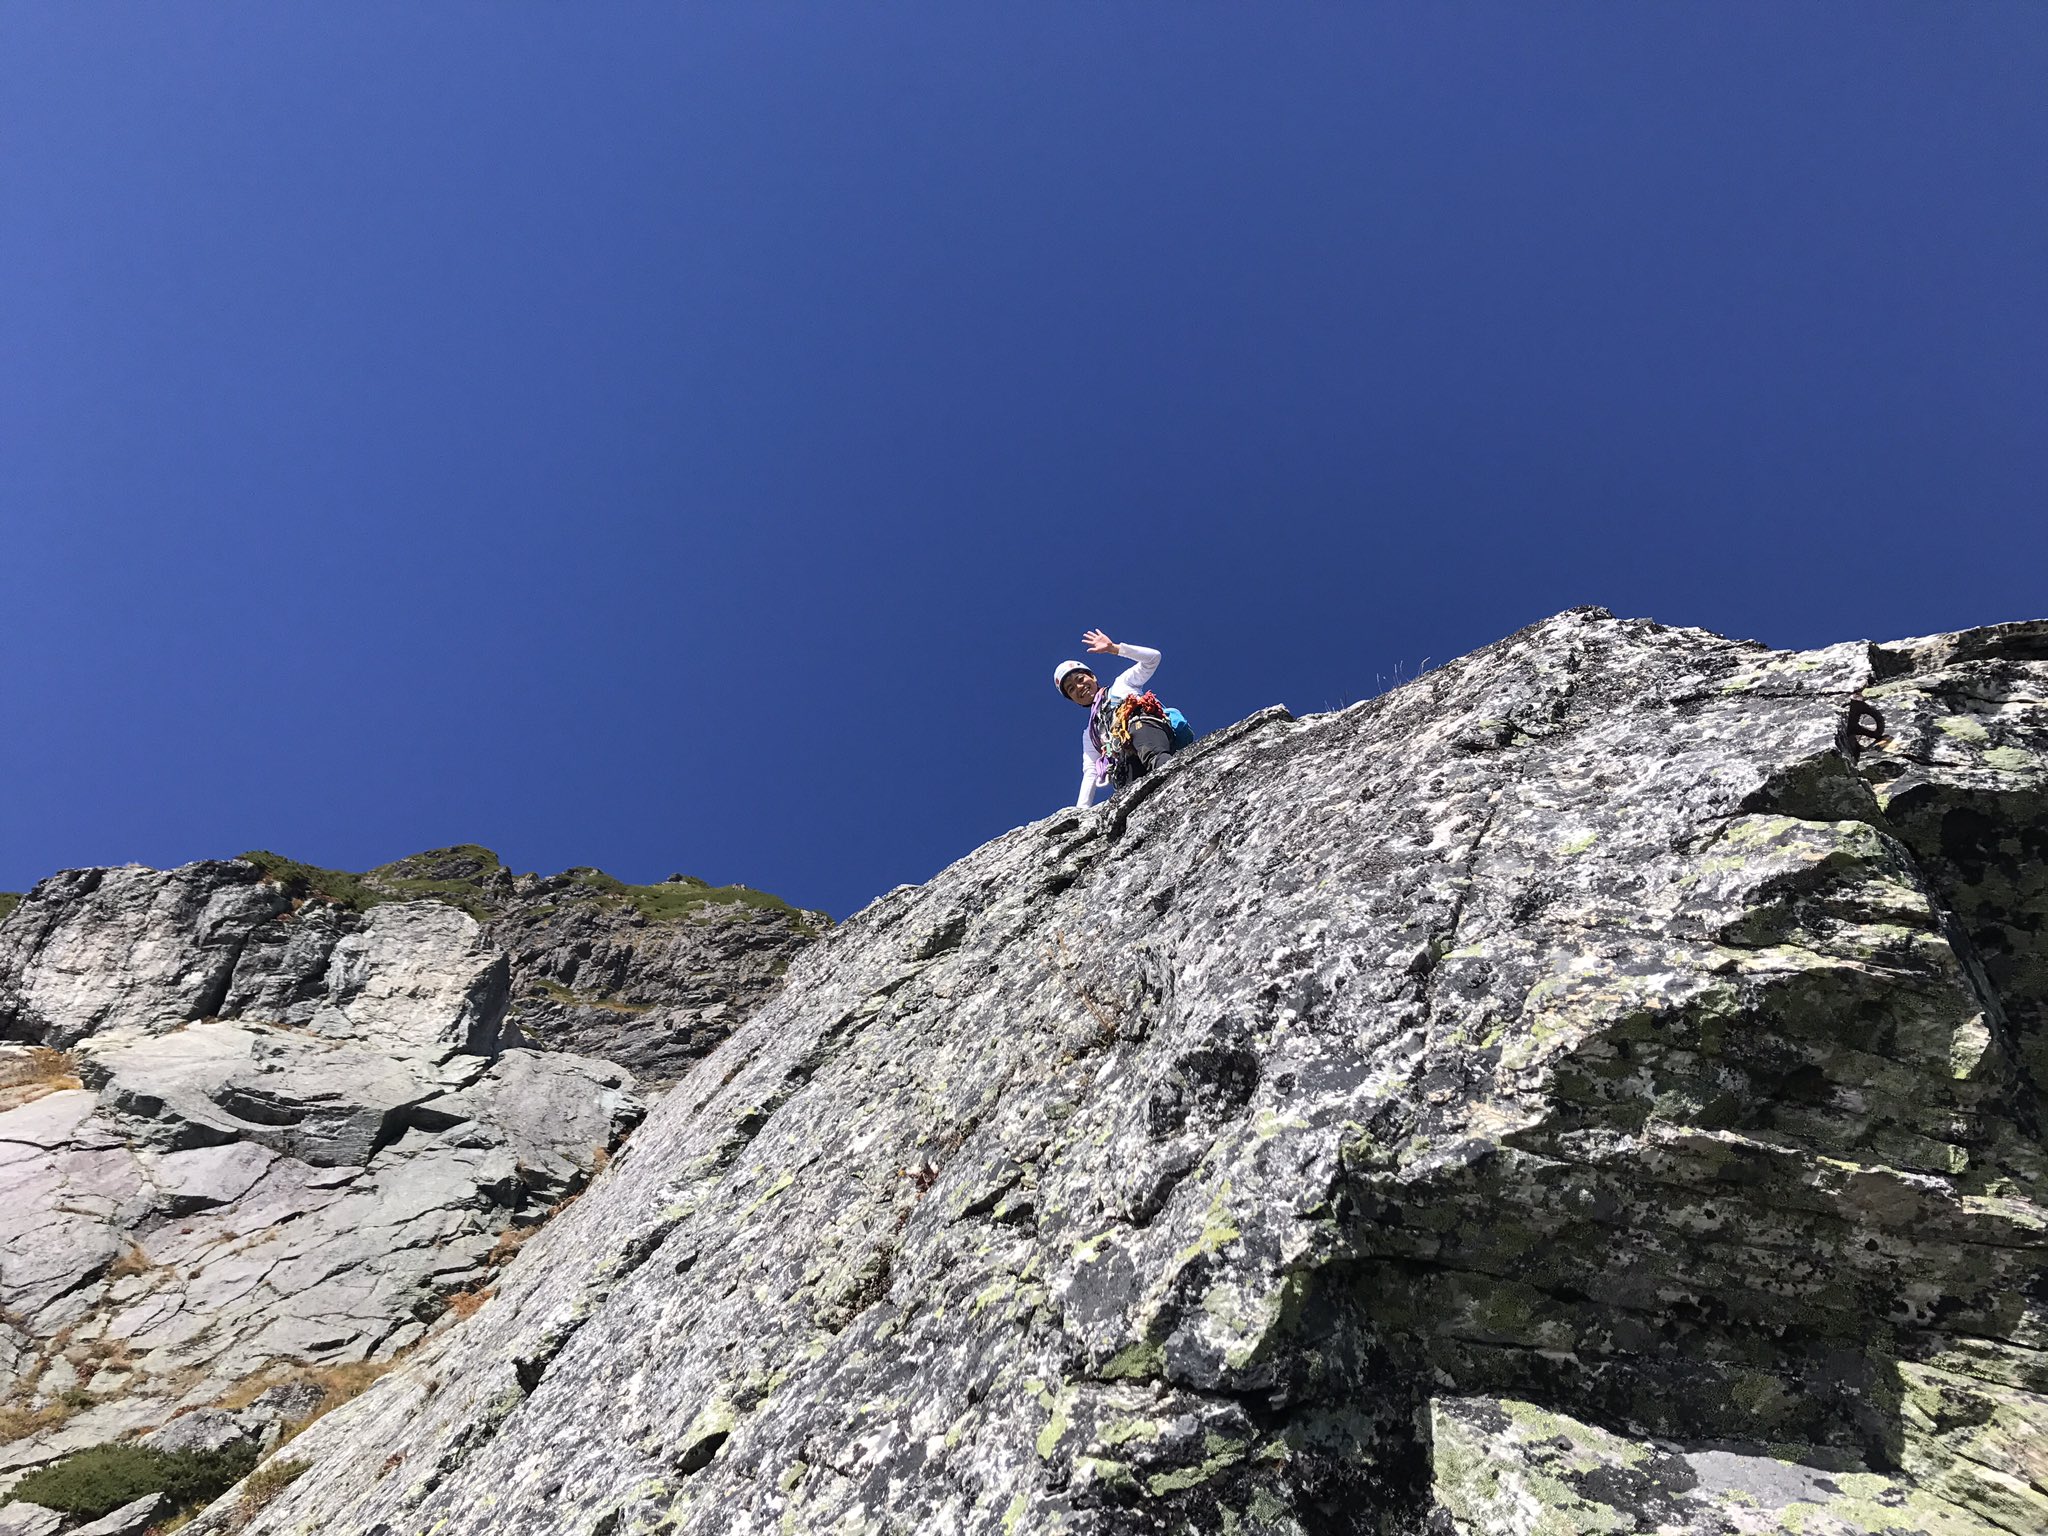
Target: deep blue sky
{"x":684,"y":437}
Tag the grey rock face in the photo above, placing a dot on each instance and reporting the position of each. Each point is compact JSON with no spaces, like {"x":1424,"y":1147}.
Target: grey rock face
{"x":224,"y":1199}
{"x":1505,"y":1466}
{"x":128,"y":1519}
{"x":412,"y":961}
{"x":29,"y":1520}
{"x":153,"y":1284}
{"x":601,"y":978}
{"x":296,"y":1111}
{"x":649,"y":976}
{"x":1558,"y":1095}
{"x":135,"y":949}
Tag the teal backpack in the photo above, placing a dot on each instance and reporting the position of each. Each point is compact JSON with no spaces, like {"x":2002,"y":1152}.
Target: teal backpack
{"x":1183,"y":733}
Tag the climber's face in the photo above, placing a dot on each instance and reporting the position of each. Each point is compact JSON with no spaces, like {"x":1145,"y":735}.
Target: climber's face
{"x":1080,"y":687}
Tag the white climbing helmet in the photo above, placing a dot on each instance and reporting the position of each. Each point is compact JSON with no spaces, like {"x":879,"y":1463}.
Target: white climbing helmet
{"x":1067,"y":669}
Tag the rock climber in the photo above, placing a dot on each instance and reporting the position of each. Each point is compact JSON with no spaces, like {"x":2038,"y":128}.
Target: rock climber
{"x":1127,"y":732}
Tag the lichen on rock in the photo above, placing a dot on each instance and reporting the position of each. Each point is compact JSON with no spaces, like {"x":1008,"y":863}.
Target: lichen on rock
{"x":1582,"y":1089}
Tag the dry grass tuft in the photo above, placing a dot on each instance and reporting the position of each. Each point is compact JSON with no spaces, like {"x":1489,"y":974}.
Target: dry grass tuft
{"x":18,"y":1421}
{"x":464,"y":1304}
{"x":260,"y":1487}
{"x":249,"y":1388}
{"x":26,"y":1076}
{"x":338,"y":1384}
{"x":509,"y":1242}
{"x":106,"y":1351}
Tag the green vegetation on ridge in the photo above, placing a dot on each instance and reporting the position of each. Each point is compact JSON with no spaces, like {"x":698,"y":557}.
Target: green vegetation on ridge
{"x":474,"y":879}
{"x":9,"y":900}
{"x":457,"y":875}
{"x":310,"y":881}
{"x":673,"y":898}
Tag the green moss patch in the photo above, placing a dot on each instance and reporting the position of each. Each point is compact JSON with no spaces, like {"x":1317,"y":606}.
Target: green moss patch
{"x":9,"y":900}
{"x":99,"y":1480}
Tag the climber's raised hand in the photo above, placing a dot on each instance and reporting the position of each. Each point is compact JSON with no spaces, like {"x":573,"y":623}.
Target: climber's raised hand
{"x":1098,"y":641}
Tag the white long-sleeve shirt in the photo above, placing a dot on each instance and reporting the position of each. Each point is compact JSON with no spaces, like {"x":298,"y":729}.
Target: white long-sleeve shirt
{"x":1094,"y":763}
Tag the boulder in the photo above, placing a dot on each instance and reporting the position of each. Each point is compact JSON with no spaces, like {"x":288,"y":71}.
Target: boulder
{"x":20,"y":1519}
{"x":286,"y":1403}
{"x":204,"y":1177}
{"x":328,"y":1102}
{"x":128,"y":1519}
{"x":416,"y":976}
{"x":1503,"y":1465}
{"x":204,"y":1429}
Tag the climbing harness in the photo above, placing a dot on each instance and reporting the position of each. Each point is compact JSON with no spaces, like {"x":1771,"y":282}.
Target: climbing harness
{"x":1118,"y":727}
{"x":1116,"y":722}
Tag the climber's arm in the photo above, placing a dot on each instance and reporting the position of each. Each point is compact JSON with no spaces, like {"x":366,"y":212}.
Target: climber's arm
{"x":1134,"y":677}
{"x":1145,"y":661}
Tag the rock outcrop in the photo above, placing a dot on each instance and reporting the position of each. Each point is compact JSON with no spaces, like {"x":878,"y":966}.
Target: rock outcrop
{"x":1596,"y":1086}
{"x":259,"y":1117}
{"x":649,"y":976}
{"x":653,"y":977}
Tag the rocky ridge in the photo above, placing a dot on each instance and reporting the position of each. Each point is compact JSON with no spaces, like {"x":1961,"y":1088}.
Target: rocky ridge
{"x":650,"y":976}
{"x":262,"y":1124}
{"x":1594,"y":1087}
